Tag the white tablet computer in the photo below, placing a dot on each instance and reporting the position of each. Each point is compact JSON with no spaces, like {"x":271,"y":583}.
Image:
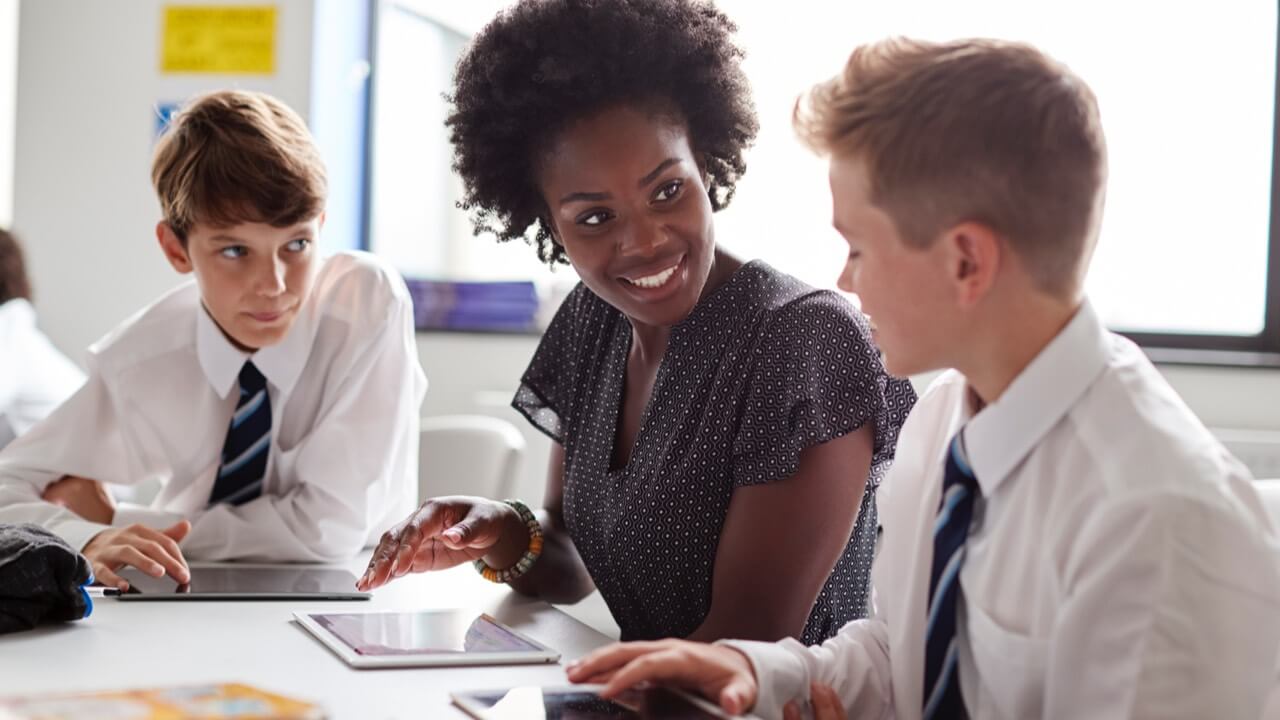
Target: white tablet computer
{"x":423,"y":639}
{"x":229,"y":582}
{"x":583,"y":703}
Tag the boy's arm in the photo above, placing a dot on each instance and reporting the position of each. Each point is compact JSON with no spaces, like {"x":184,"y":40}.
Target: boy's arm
{"x":352,"y":465}
{"x":80,"y":438}
{"x":855,"y":663}
{"x":1170,"y":612}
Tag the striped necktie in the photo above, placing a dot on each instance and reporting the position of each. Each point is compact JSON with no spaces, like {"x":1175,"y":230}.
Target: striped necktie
{"x":244,"y":454}
{"x":941,"y":677}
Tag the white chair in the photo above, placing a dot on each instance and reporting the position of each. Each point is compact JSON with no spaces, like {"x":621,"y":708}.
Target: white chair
{"x":468,"y":455}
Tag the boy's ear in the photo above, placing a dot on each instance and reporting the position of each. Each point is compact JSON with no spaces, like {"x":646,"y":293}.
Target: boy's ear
{"x":173,"y":248}
{"x":975,"y":260}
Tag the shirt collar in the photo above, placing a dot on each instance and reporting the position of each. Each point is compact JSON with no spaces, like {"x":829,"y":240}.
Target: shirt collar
{"x":1001,"y":434}
{"x":281,"y":363}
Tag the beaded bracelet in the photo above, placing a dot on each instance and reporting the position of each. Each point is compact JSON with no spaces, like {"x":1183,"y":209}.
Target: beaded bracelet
{"x":530,"y":554}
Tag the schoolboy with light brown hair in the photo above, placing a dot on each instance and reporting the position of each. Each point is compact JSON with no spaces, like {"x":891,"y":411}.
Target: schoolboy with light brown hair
{"x":275,"y":397}
{"x":1062,"y":537}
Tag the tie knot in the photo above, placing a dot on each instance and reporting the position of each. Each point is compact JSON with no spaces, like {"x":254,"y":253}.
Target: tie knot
{"x":251,"y":381}
{"x":958,"y":469}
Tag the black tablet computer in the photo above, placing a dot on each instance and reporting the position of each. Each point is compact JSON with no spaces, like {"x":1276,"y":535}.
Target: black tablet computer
{"x":245,"y":583}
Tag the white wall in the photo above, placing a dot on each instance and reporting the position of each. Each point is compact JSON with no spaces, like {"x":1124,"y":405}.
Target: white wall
{"x":88,"y":84}
{"x":8,"y":96}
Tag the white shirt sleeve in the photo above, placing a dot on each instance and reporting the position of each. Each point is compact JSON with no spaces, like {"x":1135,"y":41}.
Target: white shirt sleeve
{"x":855,"y":663}
{"x":350,"y":467}
{"x":1164,"y":615}
{"x":57,"y":447}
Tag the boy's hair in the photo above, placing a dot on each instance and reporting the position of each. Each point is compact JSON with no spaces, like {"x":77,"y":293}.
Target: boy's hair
{"x":13,"y":271}
{"x":541,"y":65}
{"x":234,"y":156}
{"x":973,"y":130}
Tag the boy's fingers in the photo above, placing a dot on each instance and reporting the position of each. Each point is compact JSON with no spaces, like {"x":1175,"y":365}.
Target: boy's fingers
{"x":790,"y":711}
{"x":164,"y":549}
{"x":107,"y":578}
{"x":663,"y":665}
{"x":826,"y":704}
{"x":608,"y":659}
{"x":738,"y":695}
{"x":178,"y":530}
{"x":131,"y":555}
{"x":165,"y":541}
{"x":173,"y":566}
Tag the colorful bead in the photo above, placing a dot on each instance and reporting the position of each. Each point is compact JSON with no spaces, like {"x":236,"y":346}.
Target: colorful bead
{"x":531,"y":553}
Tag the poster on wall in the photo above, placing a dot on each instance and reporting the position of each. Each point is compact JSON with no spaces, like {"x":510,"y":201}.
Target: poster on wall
{"x":231,"y":40}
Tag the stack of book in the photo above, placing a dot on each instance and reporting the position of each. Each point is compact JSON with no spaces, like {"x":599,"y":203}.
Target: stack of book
{"x":481,"y":306}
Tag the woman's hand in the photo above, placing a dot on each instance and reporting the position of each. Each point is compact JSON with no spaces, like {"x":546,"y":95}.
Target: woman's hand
{"x":448,"y":531}
{"x":718,"y":672}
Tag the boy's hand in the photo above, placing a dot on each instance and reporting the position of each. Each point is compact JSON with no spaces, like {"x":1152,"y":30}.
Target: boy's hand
{"x":154,"y":552}
{"x":719,"y":673}
{"x":82,"y":496}
{"x":826,"y":705}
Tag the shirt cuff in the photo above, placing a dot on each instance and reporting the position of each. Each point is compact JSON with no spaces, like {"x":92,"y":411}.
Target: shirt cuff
{"x":128,"y":514}
{"x":77,"y":532}
{"x":781,"y":676}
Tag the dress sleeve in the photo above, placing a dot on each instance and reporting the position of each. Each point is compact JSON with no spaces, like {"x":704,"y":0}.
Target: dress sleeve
{"x":546,"y":389}
{"x":814,"y":376}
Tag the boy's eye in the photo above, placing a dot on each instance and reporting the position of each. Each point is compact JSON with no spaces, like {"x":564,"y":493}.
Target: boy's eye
{"x":594,"y":218}
{"x":233,"y":251}
{"x":298,"y":245}
{"x":668,"y":191}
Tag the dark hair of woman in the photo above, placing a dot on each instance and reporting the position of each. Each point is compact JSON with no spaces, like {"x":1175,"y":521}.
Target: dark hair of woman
{"x":540,"y":66}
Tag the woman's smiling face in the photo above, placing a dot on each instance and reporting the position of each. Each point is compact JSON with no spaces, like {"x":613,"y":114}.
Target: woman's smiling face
{"x":626,"y":199}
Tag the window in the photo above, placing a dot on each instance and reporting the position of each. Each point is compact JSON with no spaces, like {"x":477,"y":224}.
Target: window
{"x":1186,"y":260}
{"x":414,"y":221}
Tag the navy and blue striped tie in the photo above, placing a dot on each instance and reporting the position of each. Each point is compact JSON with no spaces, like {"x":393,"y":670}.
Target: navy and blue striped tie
{"x":244,"y":454}
{"x":941,"y":677}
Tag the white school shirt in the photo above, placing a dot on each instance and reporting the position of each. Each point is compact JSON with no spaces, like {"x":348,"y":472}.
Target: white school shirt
{"x":1120,"y":564}
{"x":345,"y":387}
{"x":34,"y":377}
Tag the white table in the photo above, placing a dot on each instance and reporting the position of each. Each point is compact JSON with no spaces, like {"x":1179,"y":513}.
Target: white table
{"x":152,"y":644}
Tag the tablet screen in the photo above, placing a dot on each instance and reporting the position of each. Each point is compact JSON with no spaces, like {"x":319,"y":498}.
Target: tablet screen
{"x":527,"y":702}
{"x":245,"y":582}
{"x":417,"y":633}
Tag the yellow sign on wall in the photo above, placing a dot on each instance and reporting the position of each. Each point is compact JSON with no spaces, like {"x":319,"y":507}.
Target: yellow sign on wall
{"x":228,"y":39}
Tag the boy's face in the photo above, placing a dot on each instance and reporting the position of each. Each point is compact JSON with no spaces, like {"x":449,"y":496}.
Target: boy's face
{"x":905,"y":292}
{"x":253,"y":277}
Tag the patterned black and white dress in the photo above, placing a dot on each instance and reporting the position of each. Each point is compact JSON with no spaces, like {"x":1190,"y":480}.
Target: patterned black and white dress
{"x":762,"y":368}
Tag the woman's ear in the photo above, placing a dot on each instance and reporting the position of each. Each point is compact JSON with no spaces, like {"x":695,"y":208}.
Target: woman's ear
{"x":550,"y":227}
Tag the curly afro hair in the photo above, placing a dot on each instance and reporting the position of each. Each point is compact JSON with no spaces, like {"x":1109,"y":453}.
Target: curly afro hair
{"x":543,"y":64}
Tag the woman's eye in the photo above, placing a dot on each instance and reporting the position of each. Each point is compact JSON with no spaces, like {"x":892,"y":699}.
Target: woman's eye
{"x":669,"y":191}
{"x":298,"y":245}
{"x":594,"y":218}
{"x":233,"y":251}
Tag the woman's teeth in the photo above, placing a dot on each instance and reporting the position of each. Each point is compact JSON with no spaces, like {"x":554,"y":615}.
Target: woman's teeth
{"x":654,"y":281}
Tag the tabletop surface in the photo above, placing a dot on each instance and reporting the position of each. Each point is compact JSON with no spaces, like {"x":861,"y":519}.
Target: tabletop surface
{"x":125,"y":645}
